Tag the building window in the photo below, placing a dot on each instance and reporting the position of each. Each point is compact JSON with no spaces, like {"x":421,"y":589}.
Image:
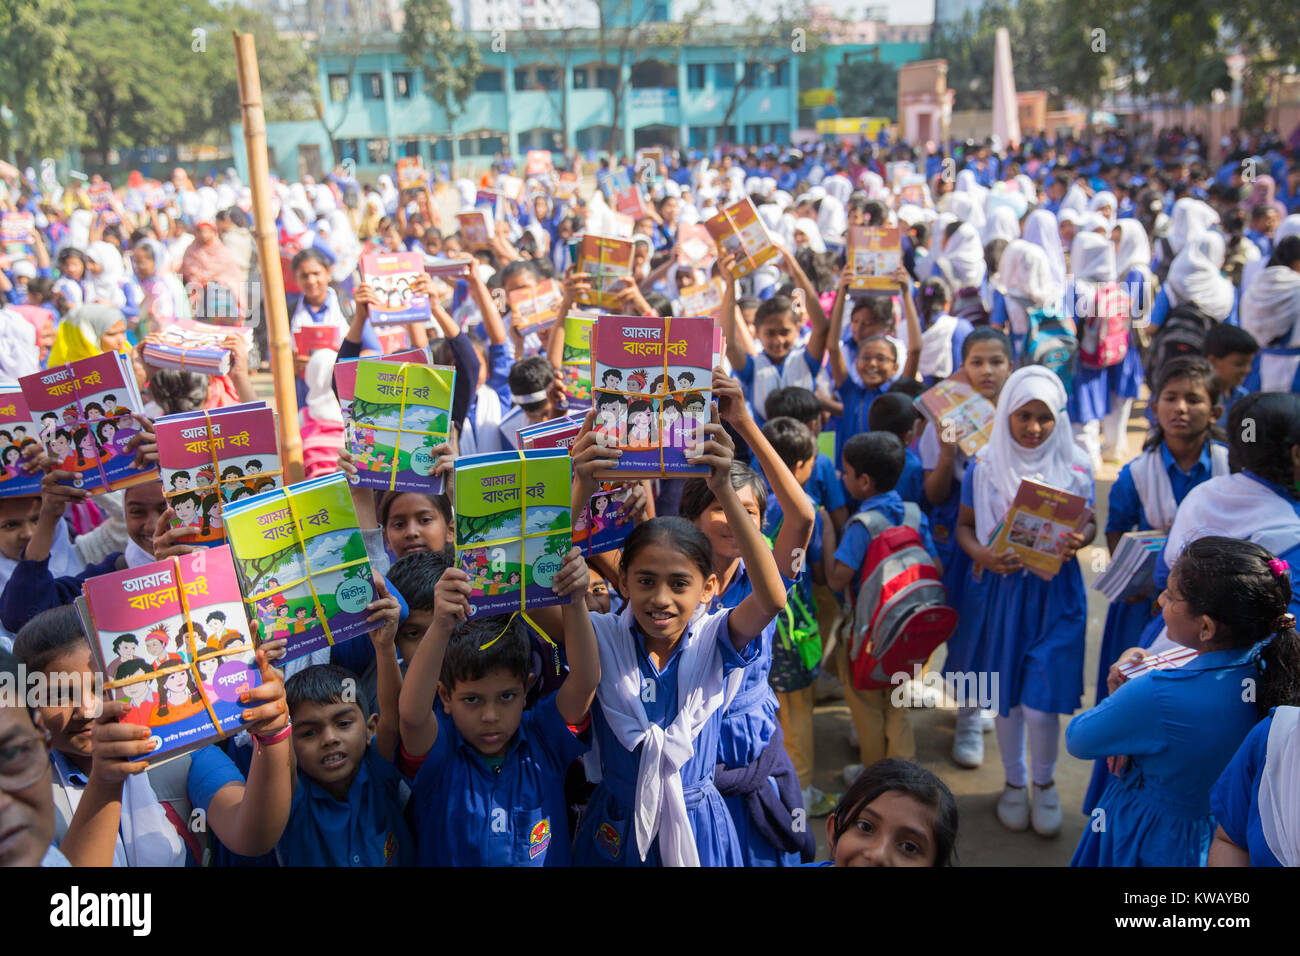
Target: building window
{"x":697,"y":137}
{"x":440,"y":149}
{"x":409,"y":147}
{"x":377,"y":152}
{"x":581,"y":78}
{"x":728,"y":134}
{"x":753,"y":74}
{"x":652,"y":74}
{"x":522,"y":79}
{"x":695,"y":76}
{"x":548,"y":78}
{"x":372,"y":86}
{"x":607,"y":78}
{"x":780,"y":133}
{"x":349,"y":149}
{"x":489,"y":81}
{"x":402,"y":86}
{"x":753,"y":133}
{"x":780,"y":75}
{"x":481,"y":145}
{"x":340,"y":87}
{"x":724,"y":75}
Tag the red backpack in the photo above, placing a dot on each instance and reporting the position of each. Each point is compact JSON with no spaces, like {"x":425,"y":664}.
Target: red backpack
{"x":900,"y":615}
{"x":1103,"y":335}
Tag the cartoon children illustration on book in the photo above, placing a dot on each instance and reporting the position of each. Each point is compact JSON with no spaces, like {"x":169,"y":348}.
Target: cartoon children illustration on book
{"x":641,"y":431}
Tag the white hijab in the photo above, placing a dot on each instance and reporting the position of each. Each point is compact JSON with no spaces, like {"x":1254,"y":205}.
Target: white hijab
{"x":18,"y":353}
{"x":1043,"y":230}
{"x":1027,"y":283}
{"x":1075,"y":199}
{"x":1279,"y":787}
{"x":1194,"y":277}
{"x":832,"y":220}
{"x":1270,"y":308}
{"x":1234,"y":506}
{"x":1058,"y":462}
{"x":1001,"y":224}
{"x":1134,"y":246}
{"x":1092,"y":258}
{"x":966,"y":207}
{"x":964,"y":254}
{"x":1290,"y":227}
{"x":811,"y":233}
{"x":1191,"y":218}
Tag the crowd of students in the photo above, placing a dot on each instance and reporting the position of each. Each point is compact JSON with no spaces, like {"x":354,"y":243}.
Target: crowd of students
{"x":673,"y":723}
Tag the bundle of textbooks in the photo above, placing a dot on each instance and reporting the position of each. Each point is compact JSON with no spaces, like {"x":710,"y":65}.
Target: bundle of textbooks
{"x":209,"y":459}
{"x":410,"y":173}
{"x":82,"y":412}
{"x":1036,"y":526}
{"x":16,"y":432}
{"x":193,"y":347}
{"x":399,"y":415}
{"x":345,"y":375}
{"x":172,"y":642}
{"x":652,"y":379}
{"x":1132,"y":569}
{"x":576,"y":359}
{"x":958,"y":412}
{"x":302,"y":564}
{"x":390,"y":275}
{"x":17,"y":228}
{"x":704,"y":299}
{"x":392,"y":338}
{"x":513,"y":527}
{"x":875,"y":254}
{"x":475,"y":227}
{"x":1165,"y":660}
{"x":440,"y":267}
{"x":738,"y":230}
{"x":607,"y":262}
{"x":535,"y":307}
{"x":557,"y":433}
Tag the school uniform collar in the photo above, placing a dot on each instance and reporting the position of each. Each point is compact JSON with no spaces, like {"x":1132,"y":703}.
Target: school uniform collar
{"x":319,"y":795}
{"x":1218,"y":660}
{"x":880,"y":501}
{"x":1203,"y":460}
{"x":637,"y":633}
{"x":517,"y":741}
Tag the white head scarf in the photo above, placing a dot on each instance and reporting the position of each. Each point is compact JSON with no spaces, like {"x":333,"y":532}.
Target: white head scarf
{"x":389,"y":194}
{"x":18,"y":352}
{"x":1075,"y":198}
{"x":966,"y":207}
{"x":1057,"y":462}
{"x":838,"y":186}
{"x":1002,"y":224}
{"x":1279,"y":787}
{"x":1102,"y":201}
{"x":1194,"y":277}
{"x":1092,"y":258}
{"x":1191,"y":217}
{"x":107,"y":286}
{"x":1290,"y":227}
{"x":964,"y":253}
{"x":1270,"y":308}
{"x":1043,"y":230}
{"x":832,"y":220}
{"x":1134,"y":246}
{"x":811,"y":233}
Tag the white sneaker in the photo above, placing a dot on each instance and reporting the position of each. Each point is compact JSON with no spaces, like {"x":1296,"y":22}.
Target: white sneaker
{"x":968,"y":743}
{"x":987,"y":718}
{"x":919,"y":694}
{"x":1013,"y":808}
{"x":851,"y":773}
{"x":1047,"y":810}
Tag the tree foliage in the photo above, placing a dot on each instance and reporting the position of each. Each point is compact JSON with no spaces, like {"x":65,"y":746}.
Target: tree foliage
{"x":868,"y":88}
{"x":448,"y":59}
{"x":36,"y":71}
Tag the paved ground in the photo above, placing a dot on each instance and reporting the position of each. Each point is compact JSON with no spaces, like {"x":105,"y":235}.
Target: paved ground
{"x":982,"y":841}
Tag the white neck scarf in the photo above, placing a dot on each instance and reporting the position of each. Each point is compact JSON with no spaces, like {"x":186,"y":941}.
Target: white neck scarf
{"x":1156,"y":492}
{"x":1270,"y":308}
{"x":1235,"y":506}
{"x":660,"y":808}
{"x":1279,"y":787}
{"x":1057,"y":462}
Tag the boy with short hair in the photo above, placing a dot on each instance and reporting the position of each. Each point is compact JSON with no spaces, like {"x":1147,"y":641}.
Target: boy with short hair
{"x":873,"y":463}
{"x":796,"y":651}
{"x":1231,"y":350}
{"x":823,"y":485}
{"x":348,"y":798}
{"x":532,"y":384}
{"x":489,"y":776}
{"x":895,"y":413}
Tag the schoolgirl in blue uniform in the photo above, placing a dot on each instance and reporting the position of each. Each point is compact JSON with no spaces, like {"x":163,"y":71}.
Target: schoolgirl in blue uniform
{"x":986,"y":360}
{"x":1133,"y":266}
{"x":1175,"y":730}
{"x":1255,"y":801}
{"x":751,"y":738}
{"x":666,"y":675}
{"x":1096,"y":391}
{"x":1026,"y":631}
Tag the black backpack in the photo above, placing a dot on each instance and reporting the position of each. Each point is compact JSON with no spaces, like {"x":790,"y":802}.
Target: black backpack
{"x":1181,"y":333}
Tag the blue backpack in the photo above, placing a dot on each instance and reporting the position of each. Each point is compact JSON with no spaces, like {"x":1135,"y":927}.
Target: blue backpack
{"x":1051,"y":342}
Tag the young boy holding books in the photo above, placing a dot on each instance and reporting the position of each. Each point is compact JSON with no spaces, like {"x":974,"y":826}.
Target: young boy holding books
{"x":488,"y":776}
{"x":348,"y":803}
{"x":534,"y":391}
{"x":873,"y":463}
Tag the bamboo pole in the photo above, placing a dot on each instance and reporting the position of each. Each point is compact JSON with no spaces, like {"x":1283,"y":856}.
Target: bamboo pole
{"x":268,"y":252}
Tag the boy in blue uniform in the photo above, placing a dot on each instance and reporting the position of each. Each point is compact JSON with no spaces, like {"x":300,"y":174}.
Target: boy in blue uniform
{"x":348,"y":798}
{"x":873,"y":463}
{"x":1231,"y":350}
{"x":895,"y":413}
{"x":823,"y":484}
{"x":489,"y":778}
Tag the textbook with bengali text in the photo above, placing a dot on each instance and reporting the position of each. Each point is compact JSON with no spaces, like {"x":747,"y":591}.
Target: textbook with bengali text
{"x":1036,"y":525}
{"x":652,"y":380}
{"x":345,"y":374}
{"x":399,"y":415}
{"x":82,"y":412}
{"x":955,"y":405}
{"x":172,"y":641}
{"x":390,"y":275}
{"x":17,"y":431}
{"x":576,"y":358}
{"x":704,"y":299}
{"x":209,"y":459}
{"x":557,"y":433}
{"x":303,"y":567}
{"x":875,"y":253}
{"x":535,"y":307}
{"x":739,"y":230}
{"x":192,"y":346}
{"x":513,"y":527}
{"x":607,"y":262}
